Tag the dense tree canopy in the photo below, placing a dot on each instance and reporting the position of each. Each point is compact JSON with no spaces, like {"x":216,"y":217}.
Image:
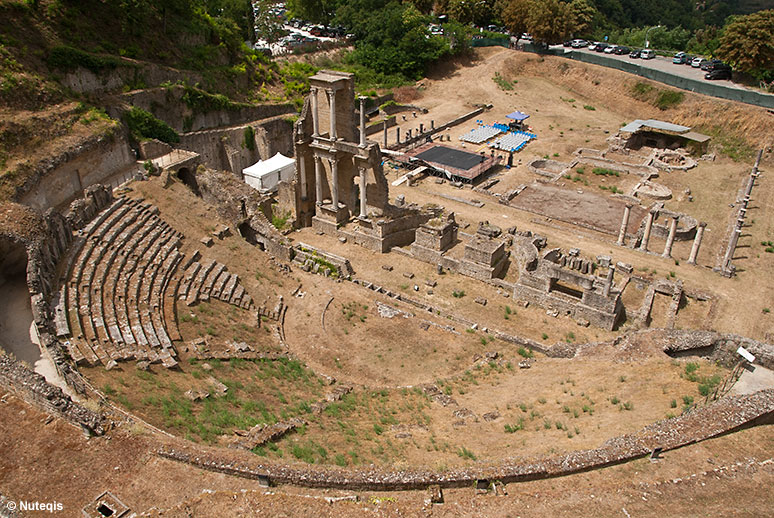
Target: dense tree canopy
{"x":748,"y":44}
{"x":391,"y":37}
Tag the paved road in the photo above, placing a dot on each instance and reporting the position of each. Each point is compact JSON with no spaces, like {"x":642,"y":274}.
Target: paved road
{"x":663,"y":64}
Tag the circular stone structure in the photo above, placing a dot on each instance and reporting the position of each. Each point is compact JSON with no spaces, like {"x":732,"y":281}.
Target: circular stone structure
{"x":653,"y":190}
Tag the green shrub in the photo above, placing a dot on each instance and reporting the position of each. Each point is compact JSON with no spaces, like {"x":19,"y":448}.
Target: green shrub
{"x":69,"y":58}
{"x":202,"y":102}
{"x":466,"y":453}
{"x":668,"y":98}
{"x":143,"y":124}
{"x":248,"y":140}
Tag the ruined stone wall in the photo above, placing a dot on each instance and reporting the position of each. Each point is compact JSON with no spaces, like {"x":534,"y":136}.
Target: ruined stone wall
{"x":167,"y":104}
{"x":723,"y":416}
{"x":150,"y":74}
{"x":47,"y":240}
{"x":243,"y":206}
{"x":564,"y":305}
{"x":270,"y":137}
{"x":61,"y":179}
{"x":714,"y":346}
{"x":34,"y":389}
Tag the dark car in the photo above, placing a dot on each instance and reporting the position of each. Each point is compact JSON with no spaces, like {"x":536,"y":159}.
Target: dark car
{"x":709,"y":67}
{"x":635,"y":54}
{"x":688,"y":59}
{"x":601,"y":47}
{"x":567,"y":43}
{"x":719,"y":72}
{"x":621,"y":51}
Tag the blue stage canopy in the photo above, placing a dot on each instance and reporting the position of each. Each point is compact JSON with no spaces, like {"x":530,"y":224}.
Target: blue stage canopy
{"x":517,"y":116}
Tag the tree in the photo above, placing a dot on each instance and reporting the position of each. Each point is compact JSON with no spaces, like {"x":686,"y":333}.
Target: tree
{"x":390,"y":37}
{"x":748,"y":44}
{"x":549,"y":21}
{"x":317,"y":11}
{"x":514,"y":14}
{"x":267,"y":27}
{"x":423,"y":6}
{"x":479,"y":12}
{"x":583,"y":13}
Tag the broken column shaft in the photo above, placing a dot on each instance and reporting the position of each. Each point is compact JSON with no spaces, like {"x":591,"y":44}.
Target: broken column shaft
{"x":646,"y":234}
{"x":696,"y":243}
{"x":670,"y":238}
{"x":624,"y":224}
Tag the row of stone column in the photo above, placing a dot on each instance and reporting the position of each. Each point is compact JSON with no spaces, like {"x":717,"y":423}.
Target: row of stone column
{"x":726,"y":267}
{"x":315,"y":119}
{"x":670,"y":237}
{"x":334,"y":183}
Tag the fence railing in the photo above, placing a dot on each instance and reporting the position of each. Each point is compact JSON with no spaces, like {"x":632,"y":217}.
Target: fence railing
{"x":693,"y":85}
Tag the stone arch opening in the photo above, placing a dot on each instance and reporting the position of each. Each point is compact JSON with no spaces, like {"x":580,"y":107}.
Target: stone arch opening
{"x":248,"y":233}
{"x":188,"y":177}
{"x":15,"y":311}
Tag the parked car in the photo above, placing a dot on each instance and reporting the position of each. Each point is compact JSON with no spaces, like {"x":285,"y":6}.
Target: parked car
{"x":719,"y":72}
{"x":567,"y":43}
{"x":600,"y":47}
{"x":679,"y":58}
{"x":634,"y":54}
{"x":689,"y":59}
{"x":709,"y":67}
{"x":697,"y":61}
{"x":610,"y":49}
{"x":621,"y":50}
{"x":647,"y":54}
{"x":579,"y":43}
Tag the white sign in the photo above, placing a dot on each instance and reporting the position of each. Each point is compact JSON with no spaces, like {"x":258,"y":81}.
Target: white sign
{"x":744,"y":353}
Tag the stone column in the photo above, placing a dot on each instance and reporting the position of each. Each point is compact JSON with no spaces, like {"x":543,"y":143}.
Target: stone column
{"x":302,"y":172}
{"x":318,"y":180}
{"x":362,"y":122}
{"x":731,"y":248}
{"x":432,"y":124}
{"x":696,"y":243}
{"x":397,"y":135}
{"x":646,"y":235}
{"x":315,"y":114}
{"x":608,"y":281}
{"x":670,"y":238}
{"x":385,"y":133}
{"x":332,"y":101}
{"x":624,"y":225}
{"x":363,"y":208}
{"x":335,"y":183}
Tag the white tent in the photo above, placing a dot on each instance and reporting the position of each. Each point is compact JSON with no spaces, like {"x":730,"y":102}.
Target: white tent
{"x":264,"y":175}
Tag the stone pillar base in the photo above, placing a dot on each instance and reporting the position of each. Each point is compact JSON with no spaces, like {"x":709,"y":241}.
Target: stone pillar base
{"x":327,"y":219}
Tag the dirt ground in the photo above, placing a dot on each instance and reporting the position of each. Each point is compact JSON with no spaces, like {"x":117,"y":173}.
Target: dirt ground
{"x":334,"y":328}
{"x":586,"y":209}
{"x":555,"y":94}
{"x":698,"y":480}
